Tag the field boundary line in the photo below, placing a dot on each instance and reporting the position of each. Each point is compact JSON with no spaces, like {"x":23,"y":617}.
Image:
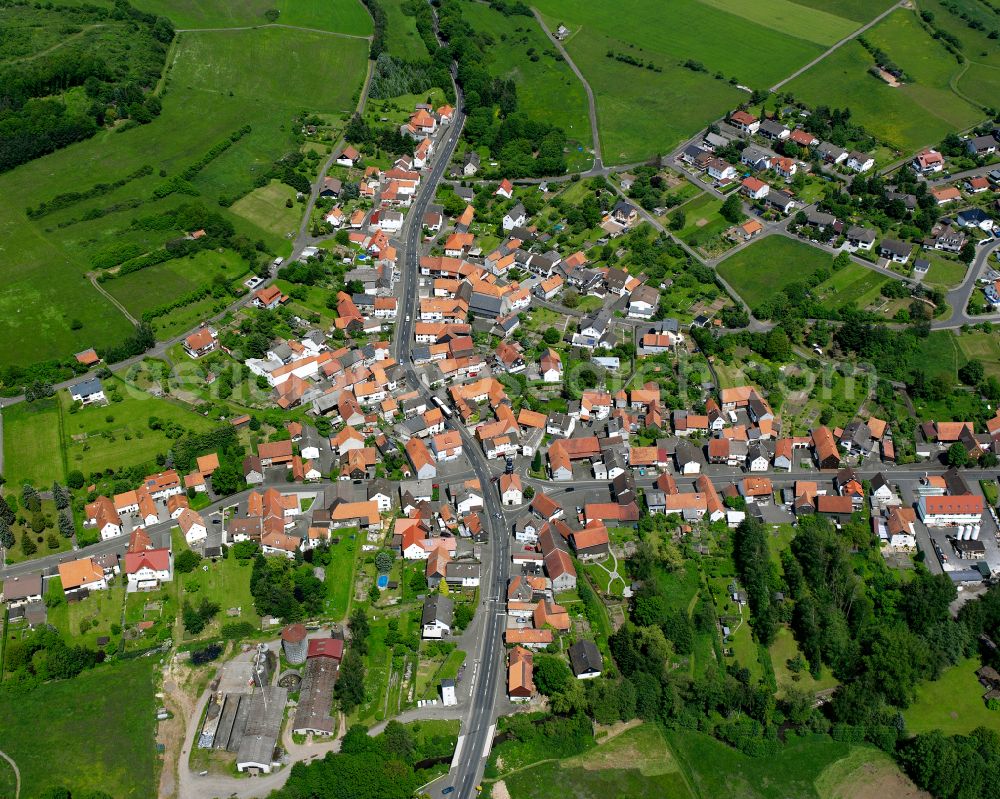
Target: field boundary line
{"x":273,"y":25}
{"x":838,"y":45}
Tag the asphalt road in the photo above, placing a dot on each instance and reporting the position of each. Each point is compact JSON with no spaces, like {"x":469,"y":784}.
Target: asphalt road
{"x":478,"y":725}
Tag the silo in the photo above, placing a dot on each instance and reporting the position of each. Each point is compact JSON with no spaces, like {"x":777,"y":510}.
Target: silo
{"x":975,"y":532}
{"x":295,"y":644}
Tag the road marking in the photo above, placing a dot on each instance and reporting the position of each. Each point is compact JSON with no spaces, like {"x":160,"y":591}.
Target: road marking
{"x":489,"y":740}
{"x":458,"y":751}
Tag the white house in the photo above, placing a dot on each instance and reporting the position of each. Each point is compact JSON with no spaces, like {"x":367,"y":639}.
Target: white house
{"x":146,"y":570}
{"x":88,"y":392}
{"x":510,"y":489}
{"x":437,"y":616}
{"x":193,"y":526}
{"x":515,"y":217}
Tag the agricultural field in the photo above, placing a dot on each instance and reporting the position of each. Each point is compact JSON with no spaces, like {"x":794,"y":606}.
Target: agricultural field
{"x":644,"y":110}
{"x":32,"y":444}
{"x":547,"y":89}
{"x":217,"y":82}
{"x":984,"y":347}
{"x":752,"y":273}
{"x":909,"y":117}
{"x":116,"y":700}
{"x":340,"y":16}
{"x":637,"y":763}
{"x":118,"y":434}
{"x":953,"y":704}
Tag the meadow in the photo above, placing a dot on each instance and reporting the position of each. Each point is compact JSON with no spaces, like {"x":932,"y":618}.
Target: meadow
{"x":643,"y":112}
{"x":173,"y":278}
{"x":953,"y":704}
{"x":547,"y":89}
{"x":116,"y":700}
{"x":266,"y":208}
{"x":32,"y":444}
{"x":402,"y":38}
{"x":763,"y":269}
{"x":806,"y":768}
{"x":341,"y":16}
{"x":938,"y":354}
{"x":216,"y":83}
{"x":915,"y":115}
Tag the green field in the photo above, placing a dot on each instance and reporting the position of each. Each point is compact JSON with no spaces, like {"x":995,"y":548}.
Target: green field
{"x":954,"y":704}
{"x":808,"y":768}
{"x":702,"y":221}
{"x":93,"y":732}
{"x":173,"y":278}
{"x":641,"y":111}
{"x":118,"y":434}
{"x":547,"y":89}
{"x":99,"y":611}
{"x":32,"y":444}
{"x":786,"y":16}
{"x":909,"y":117}
{"x":852,"y":284}
{"x":340,"y":574}
{"x":944,"y":272}
{"x":857,"y":10}
{"x":341,"y":16}
{"x":402,"y":38}
{"x":266,"y":208}
{"x":984,"y":347}
{"x":217,"y":83}
{"x":763,"y":269}
{"x":938,"y":354}
{"x":636,"y":764}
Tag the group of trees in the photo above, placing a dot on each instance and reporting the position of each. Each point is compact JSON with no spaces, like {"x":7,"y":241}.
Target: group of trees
{"x":43,"y":655}
{"x":350,"y":690}
{"x":285,"y":589}
{"x":525,"y":147}
{"x":366,"y":766}
{"x":117,"y":58}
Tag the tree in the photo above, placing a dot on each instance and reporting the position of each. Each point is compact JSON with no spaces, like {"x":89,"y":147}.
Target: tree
{"x":399,"y":742}
{"x":187,"y":561}
{"x":6,"y":534}
{"x":61,"y":496}
{"x":383,"y":561}
{"x":28,"y":545}
{"x":374,"y":593}
{"x":958,"y":455}
{"x":66,"y":526}
{"x":350,"y":690}
{"x":972,"y":373}
{"x":75,"y":479}
{"x":30,"y":499}
{"x":551,"y":674}
{"x":6,"y":512}
{"x":551,"y":336}
{"x":732,"y":209}
{"x":463,"y":615}
{"x":227,"y":479}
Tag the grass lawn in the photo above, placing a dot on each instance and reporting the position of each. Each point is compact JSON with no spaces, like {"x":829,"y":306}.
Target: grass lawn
{"x":954,"y":704}
{"x":227,"y":581}
{"x":636,"y":764}
{"x":752,"y":273}
{"x":117,"y":435}
{"x":547,"y":89}
{"x":98,"y":612}
{"x":266,"y":207}
{"x":944,"y":272}
{"x":217,"y":82}
{"x":783,"y":649}
{"x":340,"y":575}
{"x":105,"y":744}
{"x":342,"y":16}
{"x":984,"y":347}
{"x":908,"y":117}
{"x":31,"y":444}
{"x":701,"y":220}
